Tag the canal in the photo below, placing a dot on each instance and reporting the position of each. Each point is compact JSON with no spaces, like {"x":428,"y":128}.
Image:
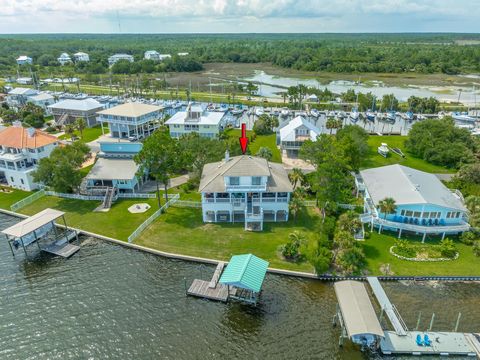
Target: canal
{"x":108,"y":301}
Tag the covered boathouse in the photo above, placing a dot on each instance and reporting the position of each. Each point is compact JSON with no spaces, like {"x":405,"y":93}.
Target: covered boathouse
{"x":41,"y":226}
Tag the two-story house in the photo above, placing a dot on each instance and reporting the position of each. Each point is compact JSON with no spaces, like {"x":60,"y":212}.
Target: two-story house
{"x":20,"y":151}
{"x":68,"y":111}
{"x":18,"y":96}
{"x":131,"y":120}
{"x":292,"y":135}
{"x":117,"y":57}
{"x":423,"y":205}
{"x":196,"y":119}
{"x":245,"y":189}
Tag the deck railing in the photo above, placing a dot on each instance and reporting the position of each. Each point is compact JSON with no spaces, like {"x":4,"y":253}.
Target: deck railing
{"x":152,"y":218}
{"x":463,"y":226}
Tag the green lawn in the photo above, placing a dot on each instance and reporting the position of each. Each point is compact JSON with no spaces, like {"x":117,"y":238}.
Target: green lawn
{"x":89,"y":134}
{"x":269,"y":141}
{"x":9,"y":198}
{"x":396,"y":141}
{"x":182,"y":231}
{"x":377,"y":251}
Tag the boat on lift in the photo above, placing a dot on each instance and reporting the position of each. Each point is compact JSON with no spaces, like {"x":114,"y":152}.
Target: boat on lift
{"x":409,"y":115}
{"x":463,"y":117}
{"x":370,"y":115}
{"x":259,"y":111}
{"x":383,"y":150}
{"x":392,"y":116}
{"x":285,"y":112}
{"x":315,"y":113}
{"x":354,"y":115}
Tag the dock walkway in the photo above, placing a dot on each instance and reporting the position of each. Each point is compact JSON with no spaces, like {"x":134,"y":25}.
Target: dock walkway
{"x":387,"y":307}
{"x":211,"y":290}
{"x":65,"y":250}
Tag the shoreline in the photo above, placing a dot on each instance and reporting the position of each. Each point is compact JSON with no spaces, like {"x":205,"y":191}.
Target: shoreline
{"x":298,"y":274}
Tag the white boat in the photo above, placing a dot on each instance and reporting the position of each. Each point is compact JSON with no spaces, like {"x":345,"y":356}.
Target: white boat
{"x":259,"y":111}
{"x":370,"y":115}
{"x":285,"y":112}
{"x":314,"y":113}
{"x":301,"y":113}
{"x":392,"y":116}
{"x":462,"y":117}
{"x":383,"y":150}
{"x":354,"y":115}
{"x":331,"y":114}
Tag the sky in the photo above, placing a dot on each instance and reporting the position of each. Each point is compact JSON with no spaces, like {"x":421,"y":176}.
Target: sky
{"x":238,"y":16}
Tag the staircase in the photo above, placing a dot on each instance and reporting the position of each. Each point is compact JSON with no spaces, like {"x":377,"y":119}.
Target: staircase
{"x":62,"y":119}
{"x":107,"y":201}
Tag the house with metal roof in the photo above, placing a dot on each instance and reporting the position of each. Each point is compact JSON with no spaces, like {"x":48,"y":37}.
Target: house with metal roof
{"x":423,"y":204}
{"x":68,"y":111}
{"x":64,"y":58}
{"x":81,"y":56}
{"x":244,"y":276}
{"x":18,"y":96}
{"x":245,"y":189}
{"x":196,"y":119}
{"x":42,"y":100}
{"x":20,"y":151}
{"x":292,"y":135}
{"x":132,"y":120}
{"x":24,"y":59}
{"x":117,"y":57}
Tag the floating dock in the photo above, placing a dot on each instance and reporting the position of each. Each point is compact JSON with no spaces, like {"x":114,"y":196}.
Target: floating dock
{"x":442,"y":344}
{"x":212,"y":289}
{"x":61,"y":248}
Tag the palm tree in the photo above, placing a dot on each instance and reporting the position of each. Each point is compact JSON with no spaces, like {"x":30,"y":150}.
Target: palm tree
{"x":387,"y":206}
{"x":295,"y":176}
{"x":80,"y":124}
{"x":331,"y":124}
{"x":473,"y":205}
{"x":69,"y":130}
{"x":295,"y":206}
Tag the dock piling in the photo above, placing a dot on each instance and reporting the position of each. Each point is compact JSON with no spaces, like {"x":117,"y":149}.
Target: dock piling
{"x":458,"y":322}
{"x":431,"y":322}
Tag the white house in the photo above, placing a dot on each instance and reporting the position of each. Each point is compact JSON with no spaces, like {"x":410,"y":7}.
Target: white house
{"x":64,"y":58}
{"x":292,"y":135}
{"x":245,"y":189}
{"x":131,"y":120}
{"x":24,"y":59}
{"x":162,"y":57}
{"x":117,"y":57}
{"x":196,"y":119}
{"x":68,"y":111}
{"x":152,"y":55}
{"x":81,"y":56}
{"x":20,"y":151}
{"x":182,"y":54}
{"x":24,"y":81}
{"x":423,"y":205}
{"x":43,"y":100}
{"x":18,"y":97}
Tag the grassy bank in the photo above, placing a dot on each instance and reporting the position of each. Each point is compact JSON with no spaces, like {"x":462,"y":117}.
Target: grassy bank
{"x":394,"y":141}
{"x":88,"y":134}
{"x":9,"y":198}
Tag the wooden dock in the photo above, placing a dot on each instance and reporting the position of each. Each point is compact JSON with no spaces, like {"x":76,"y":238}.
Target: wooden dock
{"x":211,"y":290}
{"x":62,"y":247}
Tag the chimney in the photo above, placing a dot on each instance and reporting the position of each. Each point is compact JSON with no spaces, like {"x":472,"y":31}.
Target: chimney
{"x":227,"y":156}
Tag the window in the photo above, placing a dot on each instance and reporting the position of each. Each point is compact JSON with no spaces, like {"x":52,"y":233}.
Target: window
{"x":416,"y":214}
{"x":256,"y":180}
{"x":402,"y":212}
{"x":457,"y":215}
{"x":409,"y":213}
{"x":12,"y":179}
{"x":23,"y":182}
{"x":234,"y":180}
{"x":426,"y":215}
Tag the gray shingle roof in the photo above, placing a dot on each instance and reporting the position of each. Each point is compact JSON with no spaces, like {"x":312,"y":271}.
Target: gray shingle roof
{"x":77,"y":105}
{"x":408,"y":186}
{"x":113,"y":169}
{"x":212,"y":179}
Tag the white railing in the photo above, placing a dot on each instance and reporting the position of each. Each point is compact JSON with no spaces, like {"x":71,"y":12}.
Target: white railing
{"x":463,"y":226}
{"x":28,"y":200}
{"x":262,"y":187}
{"x":188,"y":203}
{"x":152,"y":218}
{"x":136,"y":196}
{"x":75,"y":196}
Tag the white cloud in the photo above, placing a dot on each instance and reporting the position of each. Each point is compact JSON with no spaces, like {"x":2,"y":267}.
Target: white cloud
{"x":37,"y":15}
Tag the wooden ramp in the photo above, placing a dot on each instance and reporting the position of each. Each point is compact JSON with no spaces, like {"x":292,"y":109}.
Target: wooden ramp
{"x":202,"y":289}
{"x":65,"y":250}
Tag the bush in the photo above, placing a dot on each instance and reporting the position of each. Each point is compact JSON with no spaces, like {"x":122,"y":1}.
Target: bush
{"x":476,"y":248}
{"x":404,"y":248}
{"x":447,"y":248}
{"x":291,"y":250}
{"x":51,"y":129}
{"x":468,"y":238}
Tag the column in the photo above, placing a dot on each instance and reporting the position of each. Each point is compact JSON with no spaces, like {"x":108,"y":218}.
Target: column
{"x":400,"y":233}
{"x":275,"y":216}
{"x":424,"y":235}
{"x":215,"y":216}
{"x":443,"y":235}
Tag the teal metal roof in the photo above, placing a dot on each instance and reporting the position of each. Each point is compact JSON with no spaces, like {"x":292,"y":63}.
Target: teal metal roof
{"x":245,"y":271}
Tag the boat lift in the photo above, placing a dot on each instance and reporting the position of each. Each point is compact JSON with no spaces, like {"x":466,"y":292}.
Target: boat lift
{"x":41,"y":226}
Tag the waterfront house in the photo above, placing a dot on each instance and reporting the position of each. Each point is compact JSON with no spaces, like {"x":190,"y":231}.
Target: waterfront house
{"x":292,"y":135}
{"x":245,"y":189}
{"x":152,"y":55}
{"x":81,"y":56}
{"x":68,"y":111}
{"x":42,"y":100}
{"x":18,"y":97}
{"x":20,"y":151}
{"x":131,"y":120}
{"x":423,"y":204}
{"x":24,"y":59}
{"x":64,"y":58}
{"x":114,"y":168}
{"x":117,"y":57}
{"x":196,"y":119}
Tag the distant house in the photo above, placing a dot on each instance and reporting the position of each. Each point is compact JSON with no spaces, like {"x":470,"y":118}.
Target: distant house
{"x":64,"y":58}
{"x":117,"y":57}
{"x":423,"y":204}
{"x":24,"y":81}
{"x":152,"y":55}
{"x":162,"y":57}
{"x":115,"y":168}
{"x":129,"y":120}
{"x":68,"y":111}
{"x":24,"y":59}
{"x":182,"y":54}
{"x":18,"y":97}
{"x":20,"y":151}
{"x":196,"y":119}
{"x":292,"y":135}
{"x":81,"y":56}
{"x":43,"y":100}
{"x":245,"y":189}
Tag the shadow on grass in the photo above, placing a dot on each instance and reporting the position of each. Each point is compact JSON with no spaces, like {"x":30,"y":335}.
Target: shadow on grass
{"x":75,"y":206}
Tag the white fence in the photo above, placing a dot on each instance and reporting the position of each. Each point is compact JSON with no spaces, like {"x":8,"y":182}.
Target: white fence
{"x":75,"y":196}
{"x":155,"y":215}
{"x":28,"y":200}
{"x":188,"y":203}
{"x":136,"y":196}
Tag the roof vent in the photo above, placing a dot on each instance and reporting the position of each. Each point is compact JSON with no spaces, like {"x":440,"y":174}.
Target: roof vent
{"x":31,"y":132}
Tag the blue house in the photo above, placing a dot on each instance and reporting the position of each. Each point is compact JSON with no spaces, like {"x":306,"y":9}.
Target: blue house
{"x":423,"y":204}
{"x":115,"y":168}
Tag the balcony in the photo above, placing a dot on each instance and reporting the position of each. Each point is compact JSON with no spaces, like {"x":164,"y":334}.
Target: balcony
{"x":246,"y":188}
{"x":429,"y":229}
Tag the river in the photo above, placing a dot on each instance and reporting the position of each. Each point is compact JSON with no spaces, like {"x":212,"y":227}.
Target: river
{"x":271,"y":85}
{"x":108,"y":301}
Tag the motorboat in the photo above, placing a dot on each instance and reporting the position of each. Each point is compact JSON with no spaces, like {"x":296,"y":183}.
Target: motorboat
{"x":285,"y":112}
{"x":314,"y":113}
{"x":391,"y":116}
{"x":259,"y":111}
{"x":383,"y":150}
{"x":463,"y":117}
{"x":370,"y":115}
{"x":354,"y":115}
